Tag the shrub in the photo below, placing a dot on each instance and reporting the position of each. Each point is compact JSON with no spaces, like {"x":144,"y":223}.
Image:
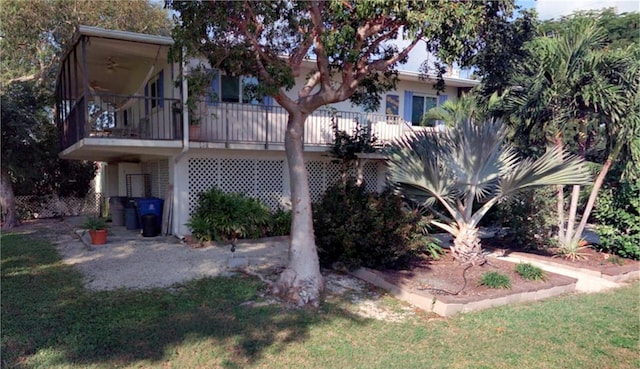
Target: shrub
{"x":530,"y":216}
{"x":530,"y":272}
{"x":228,"y":216}
{"x":618,"y":215}
{"x":280,"y":223}
{"x":356,"y":229}
{"x":495,"y":280}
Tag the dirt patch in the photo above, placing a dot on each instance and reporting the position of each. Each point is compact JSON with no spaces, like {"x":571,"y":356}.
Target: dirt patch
{"x":452,"y":282}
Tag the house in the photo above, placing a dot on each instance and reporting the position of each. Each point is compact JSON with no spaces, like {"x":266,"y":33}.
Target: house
{"x":119,"y":103}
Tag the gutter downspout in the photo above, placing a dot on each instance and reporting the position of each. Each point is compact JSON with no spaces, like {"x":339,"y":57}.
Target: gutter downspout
{"x":185,"y":130}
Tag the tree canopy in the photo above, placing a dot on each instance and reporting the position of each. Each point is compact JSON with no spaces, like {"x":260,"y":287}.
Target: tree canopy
{"x":36,"y":32}
{"x":352,"y":50}
{"x":33,"y":38}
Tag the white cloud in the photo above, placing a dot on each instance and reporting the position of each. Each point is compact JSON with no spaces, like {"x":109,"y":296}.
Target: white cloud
{"x":555,"y":9}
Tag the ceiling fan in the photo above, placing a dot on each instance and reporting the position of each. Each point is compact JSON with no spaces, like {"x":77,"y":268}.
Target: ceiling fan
{"x":112,"y":65}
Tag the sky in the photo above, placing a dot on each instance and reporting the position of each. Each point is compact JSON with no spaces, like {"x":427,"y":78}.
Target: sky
{"x":546,"y":9}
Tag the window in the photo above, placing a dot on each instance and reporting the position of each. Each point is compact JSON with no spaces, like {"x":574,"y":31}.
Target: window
{"x":392,"y":105}
{"x":420,"y":105}
{"x":155,"y":90}
{"x":234,"y":89}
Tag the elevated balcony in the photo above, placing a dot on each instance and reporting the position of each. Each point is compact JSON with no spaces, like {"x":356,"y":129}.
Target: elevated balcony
{"x":105,"y":126}
{"x":233,"y":125}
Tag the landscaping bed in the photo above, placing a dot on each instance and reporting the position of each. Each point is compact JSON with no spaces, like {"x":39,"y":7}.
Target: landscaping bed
{"x":446,"y":288}
{"x":591,"y":261}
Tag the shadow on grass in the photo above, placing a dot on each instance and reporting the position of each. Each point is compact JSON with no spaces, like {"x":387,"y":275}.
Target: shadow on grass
{"x":48,"y":318}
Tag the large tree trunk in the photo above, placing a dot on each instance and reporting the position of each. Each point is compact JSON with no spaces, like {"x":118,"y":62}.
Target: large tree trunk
{"x":301,"y":282}
{"x":8,"y":201}
{"x":466,"y":247}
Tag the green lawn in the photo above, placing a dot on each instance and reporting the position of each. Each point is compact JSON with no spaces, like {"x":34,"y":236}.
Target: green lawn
{"x":50,"y":321}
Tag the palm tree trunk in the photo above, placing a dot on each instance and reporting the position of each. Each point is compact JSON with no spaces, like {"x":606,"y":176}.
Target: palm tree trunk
{"x":596,"y":188}
{"x":466,"y":247}
{"x":573,"y":209}
{"x":560,"y":209}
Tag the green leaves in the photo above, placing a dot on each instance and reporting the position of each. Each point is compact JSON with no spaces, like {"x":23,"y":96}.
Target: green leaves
{"x":471,"y":162}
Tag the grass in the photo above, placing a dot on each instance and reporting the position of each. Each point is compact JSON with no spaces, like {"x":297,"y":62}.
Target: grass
{"x":530,"y":272}
{"x":50,"y":321}
{"x":495,"y":280}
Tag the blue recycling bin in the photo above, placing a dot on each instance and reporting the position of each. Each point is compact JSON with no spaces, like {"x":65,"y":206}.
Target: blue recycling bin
{"x":150,"y":205}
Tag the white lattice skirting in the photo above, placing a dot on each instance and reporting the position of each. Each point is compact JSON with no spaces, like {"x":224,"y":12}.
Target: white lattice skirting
{"x":264,"y":179}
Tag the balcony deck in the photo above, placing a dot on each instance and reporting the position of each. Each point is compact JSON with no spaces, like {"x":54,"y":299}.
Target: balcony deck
{"x":110,"y":120}
{"x":234,"y":125}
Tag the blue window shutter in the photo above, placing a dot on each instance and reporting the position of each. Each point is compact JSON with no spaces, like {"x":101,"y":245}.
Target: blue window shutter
{"x":442,"y":99}
{"x":146,"y":100}
{"x":408,"y":97}
{"x":161,"y":88}
{"x":214,"y":94}
{"x":267,"y":102}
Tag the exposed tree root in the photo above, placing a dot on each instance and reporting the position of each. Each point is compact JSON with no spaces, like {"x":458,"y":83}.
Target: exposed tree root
{"x":302,"y":292}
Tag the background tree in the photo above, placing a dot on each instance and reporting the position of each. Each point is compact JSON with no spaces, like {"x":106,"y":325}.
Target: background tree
{"x":577,"y":93}
{"x":503,"y":54}
{"x":350,"y":43}
{"x":33,"y":37}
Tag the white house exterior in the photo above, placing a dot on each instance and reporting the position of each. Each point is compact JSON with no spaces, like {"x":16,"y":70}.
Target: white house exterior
{"x":119,"y":102}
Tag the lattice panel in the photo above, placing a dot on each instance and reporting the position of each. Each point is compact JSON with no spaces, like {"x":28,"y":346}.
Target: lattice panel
{"x":237,"y":175}
{"x":332,"y":174}
{"x":324,"y":174}
{"x":370,"y":176}
{"x":317,"y":180}
{"x":261,"y":179}
{"x":203,"y":174}
{"x":269,"y":186}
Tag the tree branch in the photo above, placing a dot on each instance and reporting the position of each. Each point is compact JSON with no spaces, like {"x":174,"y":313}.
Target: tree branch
{"x":322,"y":60}
{"x":311,"y":83}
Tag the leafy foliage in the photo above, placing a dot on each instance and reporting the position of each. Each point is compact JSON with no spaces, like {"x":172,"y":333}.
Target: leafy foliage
{"x":348,"y":42}
{"x":621,"y":29}
{"x":227,"y":217}
{"x":530,"y":217}
{"x":95,"y":223}
{"x":35,"y":33}
{"x":30,"y":146}
{"x":618,"y":215}
{"x":530,"y":272}
{"x":355,"y":228}
{"x":495,"y":280}
{"x":346,"y":146}
{"x":467,"y":163}
{"x":280,"y":223}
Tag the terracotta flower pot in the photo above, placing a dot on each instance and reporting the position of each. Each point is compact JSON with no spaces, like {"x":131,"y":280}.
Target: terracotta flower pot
{"x":98,"y":237}
{"x":194,"y":132}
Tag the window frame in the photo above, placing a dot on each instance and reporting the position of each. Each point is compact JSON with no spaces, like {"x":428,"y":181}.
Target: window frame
{"x":424,"y":105}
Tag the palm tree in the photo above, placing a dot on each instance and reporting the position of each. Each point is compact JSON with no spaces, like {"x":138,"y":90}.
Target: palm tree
{"x":471,"y":162}
{"x":466,"y":107}
{"x":578,"y":94}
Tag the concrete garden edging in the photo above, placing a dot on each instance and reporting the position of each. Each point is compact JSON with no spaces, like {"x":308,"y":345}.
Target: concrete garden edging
{"x":446,"y":305}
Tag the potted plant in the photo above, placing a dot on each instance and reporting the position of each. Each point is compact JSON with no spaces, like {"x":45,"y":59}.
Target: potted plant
{"x":97,"y":228}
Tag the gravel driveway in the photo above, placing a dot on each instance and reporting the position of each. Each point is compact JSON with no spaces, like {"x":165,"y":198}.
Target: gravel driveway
{"x":129,"y":260}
